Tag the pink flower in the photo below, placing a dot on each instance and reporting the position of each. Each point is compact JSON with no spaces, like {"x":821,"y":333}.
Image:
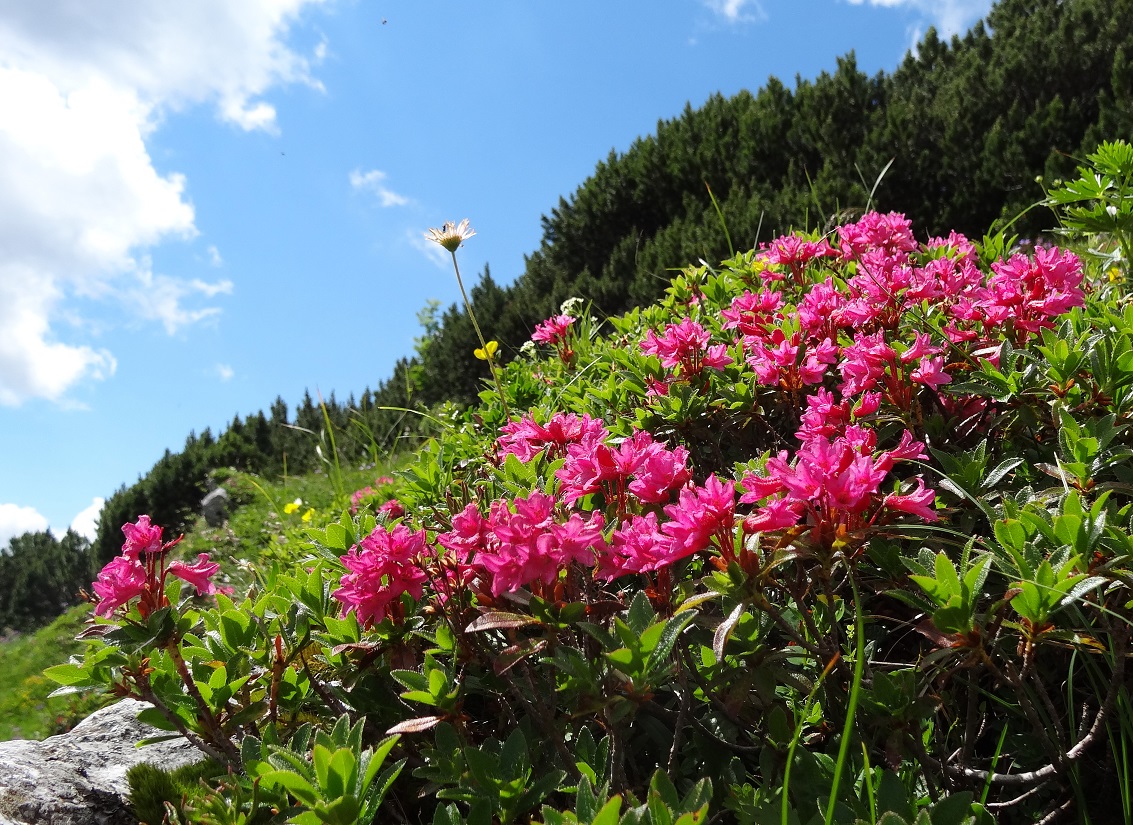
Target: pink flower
{"x":552,"y":331}
{"x":777,"y":514}
{"x":658,"y":472}
{"x":357,"y":496}
{"x":931,"y":372}
{"x":638,"y":546}
{"x":122,"y":579}
{"x":893,"y":233}
{"x":795,"y":252}
{"x":752,"y":314}
{"x":469,"y":533}
{"x":141,"y":537}
{"x":526,"y":439}
{"x":701,"y":515}
{"x":197,"y":574}
{"x":382,"y":567}
{"x":685,"y":345}
{"x":917,"y":503}
{"x":392,"y":509}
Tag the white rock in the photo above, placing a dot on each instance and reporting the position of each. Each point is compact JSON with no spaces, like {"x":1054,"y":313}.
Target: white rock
{"x":79,"y":778}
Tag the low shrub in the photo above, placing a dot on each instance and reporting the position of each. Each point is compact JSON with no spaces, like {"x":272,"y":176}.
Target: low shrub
{"x":838,"y":531}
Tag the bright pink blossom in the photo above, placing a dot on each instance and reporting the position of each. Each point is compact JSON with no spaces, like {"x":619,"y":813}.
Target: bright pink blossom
{"x":121,"y":580}
{"x":526,"y":439}
{"x":197,"y":574}
{"x":142,"y":537}
{"x":383,"y":566}
{"x":685,"y":345}
{"x":702,"y":515}
{"x":917,"y":503}
{"x":552,"y":331}
{"x":637,"y":546}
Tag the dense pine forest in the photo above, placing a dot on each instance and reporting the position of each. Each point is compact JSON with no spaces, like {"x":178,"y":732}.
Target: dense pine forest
{"x":955,"y":138}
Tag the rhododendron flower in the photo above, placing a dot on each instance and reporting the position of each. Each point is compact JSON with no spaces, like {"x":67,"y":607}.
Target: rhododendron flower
{"x":552,"y":331}
{"x":357,"y":496}
{"x":392,"y":509}
{"x":931,"y":372}
{"x":527,"y":545}
{"x":752,"y":314}
{"x":892,"y":232}
{"x":121,"y":580}
{"x":701,"y":515}
{"x":685,"y":345}
{"x":917,"y":503}
{"x":638,"y":546}
{"x":658,"y":472}
{"x":141,"y":537}
{"x":526,"y":439}
{"x":382,"y":567}
{"x":794,"y":253}
{"x":469,"y":533}
{"x":197,"y":574}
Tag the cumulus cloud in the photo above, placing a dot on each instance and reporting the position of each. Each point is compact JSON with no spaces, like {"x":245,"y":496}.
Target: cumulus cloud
{"x":949,"y":16}
{"x":737,"y":11}
{"x":372,"y":182}
{"x":16,"y":520}
{"x":82,"y":85}
{"x":86,"y":522}
{"x":224,"y":372}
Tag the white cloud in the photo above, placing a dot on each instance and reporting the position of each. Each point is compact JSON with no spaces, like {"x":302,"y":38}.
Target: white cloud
{"x":737,"y":11}
{"x":431,"y":250}
{"x":372,"y":182}
{"x":161,"y":298}
{"x":949,"y":16}
{"x":82,"y":85}
{"x":224,"y":372}
{"x":86,"y":522}
{"x":214,"y":256}
{"x":16,"y":520}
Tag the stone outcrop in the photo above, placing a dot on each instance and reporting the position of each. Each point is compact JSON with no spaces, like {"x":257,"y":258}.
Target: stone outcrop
{"x":79,"y":778}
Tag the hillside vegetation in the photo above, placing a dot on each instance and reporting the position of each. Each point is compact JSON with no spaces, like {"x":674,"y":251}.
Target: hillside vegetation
{"x":960,"y":131}
{"x":839,"y":530}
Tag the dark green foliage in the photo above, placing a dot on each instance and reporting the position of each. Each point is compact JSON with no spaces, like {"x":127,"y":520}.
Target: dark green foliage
{"x":40,"y":577}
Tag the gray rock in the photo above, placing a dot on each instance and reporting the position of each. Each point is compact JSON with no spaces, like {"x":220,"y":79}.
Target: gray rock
{"x":79,"y":778}
{"x":214,"y":507}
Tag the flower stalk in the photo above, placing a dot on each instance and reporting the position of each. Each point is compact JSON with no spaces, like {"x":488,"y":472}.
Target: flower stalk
{"x":451,"y":236}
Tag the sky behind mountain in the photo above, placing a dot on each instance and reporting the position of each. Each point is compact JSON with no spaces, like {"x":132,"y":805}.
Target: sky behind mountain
{"x":206,"y":205}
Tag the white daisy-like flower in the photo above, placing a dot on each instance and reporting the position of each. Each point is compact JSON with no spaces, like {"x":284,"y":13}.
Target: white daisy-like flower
{"x":451,"y":235}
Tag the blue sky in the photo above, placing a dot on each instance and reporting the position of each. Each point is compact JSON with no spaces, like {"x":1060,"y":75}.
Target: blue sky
{"x":205,"y":205}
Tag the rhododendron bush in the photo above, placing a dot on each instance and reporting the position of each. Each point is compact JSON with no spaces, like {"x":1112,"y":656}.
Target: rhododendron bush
{"x":839,"y":530}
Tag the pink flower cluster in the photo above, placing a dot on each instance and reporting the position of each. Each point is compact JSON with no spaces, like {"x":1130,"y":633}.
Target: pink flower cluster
{"x":381,"y":567}
{"x":640,"y":466}
{"x":553,"y":331}
{"x":556,"y":332}
{"x":524,"y":542}
{"x":526,"y":438}
{"x":834,"y":485}
{"x":684,"y":348}
{"x":140,"y":572}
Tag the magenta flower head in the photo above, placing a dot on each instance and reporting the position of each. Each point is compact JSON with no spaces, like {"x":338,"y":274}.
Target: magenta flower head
{"x":141,"y":537}
{"x":197,"y":574}
{"x":382,"y":567}
{"x":552,"y":331}
{"x":118,"y":582}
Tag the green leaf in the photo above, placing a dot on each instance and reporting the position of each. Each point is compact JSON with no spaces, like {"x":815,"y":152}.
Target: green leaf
{"x":68,"y":674}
